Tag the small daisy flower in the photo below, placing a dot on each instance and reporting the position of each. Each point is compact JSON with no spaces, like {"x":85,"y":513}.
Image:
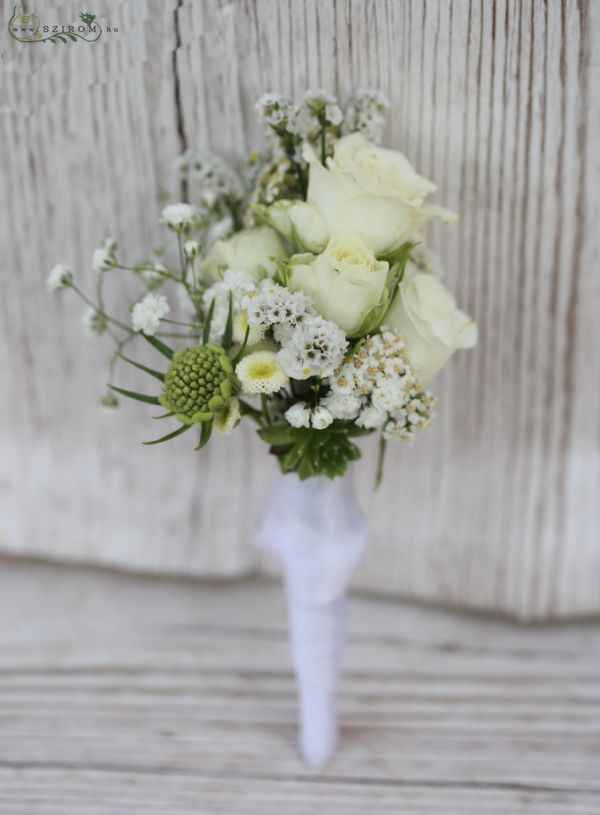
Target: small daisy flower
{"x":147,"y":314}
{"x":298,"y":415}
{"x":260,"y":372}
{"x":60,"y":277}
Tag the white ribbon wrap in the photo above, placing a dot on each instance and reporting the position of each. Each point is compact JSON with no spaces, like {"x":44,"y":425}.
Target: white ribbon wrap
{"x":318,"y":532}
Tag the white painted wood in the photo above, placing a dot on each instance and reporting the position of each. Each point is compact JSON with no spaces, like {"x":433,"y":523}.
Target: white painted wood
{"x":127,"y":694}
{"x":497,"y":505}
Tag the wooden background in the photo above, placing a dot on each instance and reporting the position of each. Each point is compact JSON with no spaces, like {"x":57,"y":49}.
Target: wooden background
{"x":497,"y":506}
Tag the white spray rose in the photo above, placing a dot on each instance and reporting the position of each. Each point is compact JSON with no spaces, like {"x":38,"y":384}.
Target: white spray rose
{"x":251,"y":249}
{"x":298,"y":222}
{"x":372,"y":192}
{"x":424,"y":312}
{"x":345,"y":281}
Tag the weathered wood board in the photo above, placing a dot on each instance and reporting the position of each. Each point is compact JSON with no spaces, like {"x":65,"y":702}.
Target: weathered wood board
{"x":497,"y":506}
{"x":127,"y":695}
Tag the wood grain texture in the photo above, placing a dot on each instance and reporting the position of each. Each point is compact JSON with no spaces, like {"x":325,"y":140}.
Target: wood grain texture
{"x":497,"y":505}
{"x":121,"y":694}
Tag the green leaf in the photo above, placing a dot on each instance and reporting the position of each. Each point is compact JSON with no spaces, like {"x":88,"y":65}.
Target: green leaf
{"x":280,"y":434}
{"x":242,"y":347}
{"x":72,"y":37}
{"x":140,"y":397}
{"x":207,"y":324}
{"x":160,"y":346}
{"x":164,"y":415}
{"x":170,"y":436}
{"x":228,"y":333}
{"x":400,"y":255}
{"x":205,"y":434}
{"x":151,"y":371}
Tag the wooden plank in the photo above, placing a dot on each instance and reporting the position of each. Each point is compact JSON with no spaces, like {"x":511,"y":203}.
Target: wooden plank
{"x":128,"y":694}
{"x":496,"y":506}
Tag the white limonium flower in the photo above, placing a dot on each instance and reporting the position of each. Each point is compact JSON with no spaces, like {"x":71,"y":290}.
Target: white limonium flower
{"x":147,"y":314}
{"x":298,"y":415}
{"x":260,"y":372}
{"x":276,"y":305}
{"x":178,"y":216}
{"x":316,"y":348}
{"x":229,"y":419}
{"x":320,"y":418}
{"x":60,"y":277}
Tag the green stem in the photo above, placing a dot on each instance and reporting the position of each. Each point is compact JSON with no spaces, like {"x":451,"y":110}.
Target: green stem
{"x":251,"y":412}
{"x":380,"y":461}
{"x":97,"y":307}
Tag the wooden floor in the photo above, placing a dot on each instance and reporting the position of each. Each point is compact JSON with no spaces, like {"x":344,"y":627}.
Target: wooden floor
{"x":121,"y":694}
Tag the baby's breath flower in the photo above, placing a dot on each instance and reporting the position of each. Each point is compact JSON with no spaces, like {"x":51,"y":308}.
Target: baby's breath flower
{"x":298,"y":415}
{"x":371,"y":417}
{"x":93,"y":322}
{"x":178,"y":216}
{"x":60,"y":277}
{"x":147,"y":314}
{"x":365,"y":114}
{"x":109,"y":402}
{"x":103,"y":257}
{"x":191,"y":249}
{"x":260,"y":372}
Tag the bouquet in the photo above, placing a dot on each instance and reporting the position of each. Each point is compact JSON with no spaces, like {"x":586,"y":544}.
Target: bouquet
{"x":306,"y":303}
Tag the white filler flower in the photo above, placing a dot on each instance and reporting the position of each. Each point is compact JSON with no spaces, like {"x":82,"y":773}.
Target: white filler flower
{"x":178,"y":216}
{"x":60,"y":277}
{"x":147,"y":314}
{"x":260,"y":372}
{"x":298,"y":415}
{"x":320,"y":418}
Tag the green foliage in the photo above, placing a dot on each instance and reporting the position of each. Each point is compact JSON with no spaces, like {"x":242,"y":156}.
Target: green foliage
{"x":311,"y":452}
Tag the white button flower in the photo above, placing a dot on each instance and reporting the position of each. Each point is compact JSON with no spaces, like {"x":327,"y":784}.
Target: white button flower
{"x":260,"y":372}
{"x":147,"y":314}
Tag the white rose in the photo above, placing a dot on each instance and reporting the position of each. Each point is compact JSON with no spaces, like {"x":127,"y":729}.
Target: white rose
{"x":345,"y":281}
{"x":298,"y":222}
{"x":424,"y":312}
{"x":371,"y":192}
{"x":251,"y":249}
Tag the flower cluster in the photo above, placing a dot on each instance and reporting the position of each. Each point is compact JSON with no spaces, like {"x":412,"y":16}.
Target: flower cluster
{"x":365,"y":114}
{"x":302,"y":301}
{"x":378,"y":388}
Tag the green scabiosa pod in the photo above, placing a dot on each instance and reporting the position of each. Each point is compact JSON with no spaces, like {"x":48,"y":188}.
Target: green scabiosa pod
{"x":198,"y":384}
